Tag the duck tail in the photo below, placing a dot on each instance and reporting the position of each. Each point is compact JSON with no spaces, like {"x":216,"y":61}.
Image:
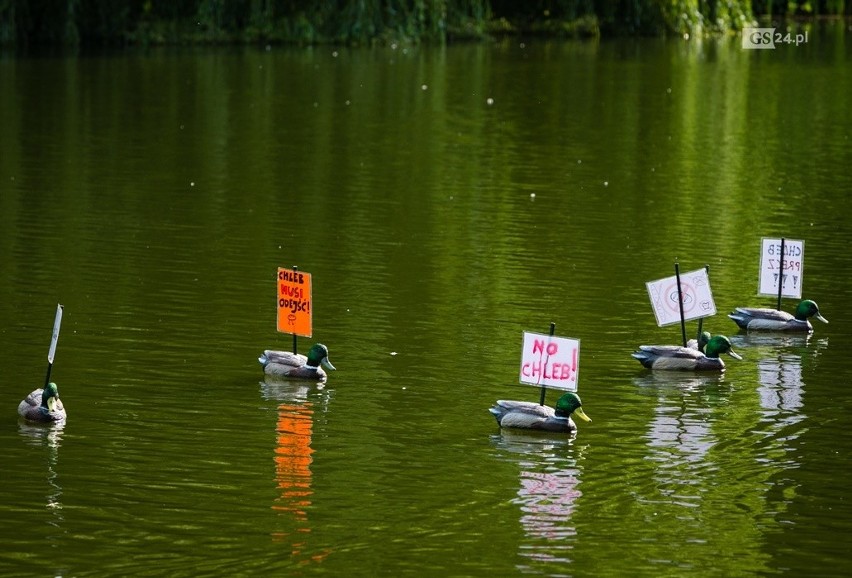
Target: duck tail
{"x":739,"y":318}
{"x":263,"y":359}
{"x":644,"y":358}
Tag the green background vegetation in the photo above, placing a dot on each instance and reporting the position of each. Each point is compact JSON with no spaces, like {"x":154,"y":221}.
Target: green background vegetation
{"x":105,"y":22}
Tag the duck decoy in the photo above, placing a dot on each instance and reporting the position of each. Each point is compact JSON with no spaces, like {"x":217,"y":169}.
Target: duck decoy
{"x":294,"y":365}
{"x":43,"y":405}
{"x":533,"y":416}
{"x":700,"y":343}
{"x":685,"y":358}
{"x":764,"y":319}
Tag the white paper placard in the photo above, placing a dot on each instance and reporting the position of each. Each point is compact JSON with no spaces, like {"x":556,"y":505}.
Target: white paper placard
{"x":550,"y":361}
{"x":770,"y":267}
{"x":697,"y":297}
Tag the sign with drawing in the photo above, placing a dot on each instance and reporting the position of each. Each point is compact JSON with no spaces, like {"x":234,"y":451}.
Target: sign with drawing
{"x":697,"y":298}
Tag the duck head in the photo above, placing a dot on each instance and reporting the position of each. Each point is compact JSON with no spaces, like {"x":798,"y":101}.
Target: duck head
{"x":719,"y":344}
{"x":49,"y":396}
{"x":319,"y":355}
{"x":808,"y":308}
{"x":569,"y":404}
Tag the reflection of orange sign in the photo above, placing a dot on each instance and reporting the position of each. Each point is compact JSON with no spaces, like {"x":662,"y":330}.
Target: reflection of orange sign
{"x":293,"y":459}
{"x":294,"y":302}
{"x":293,"y":473}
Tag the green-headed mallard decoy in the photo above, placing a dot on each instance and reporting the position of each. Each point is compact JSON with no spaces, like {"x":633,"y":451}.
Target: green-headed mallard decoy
{"x":294,"y":365}
{"x":43,"y":405}
{"x":764,"y":319}
{"x":700,"y":343}
{"x":685,"y":358}
{"x":529,"y":415}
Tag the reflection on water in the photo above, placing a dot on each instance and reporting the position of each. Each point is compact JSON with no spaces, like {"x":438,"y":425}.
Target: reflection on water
{"x":779,"y":359}
{"x":769,"y":339}
{"x":780,"y":362}
{"x":48,"y":438}
{"x":660,"y":382}
{"x":680,"y":435}
{"x":781,"y":385}
{"x":781,"y":391}
{"x":549,"y":488}
{"x":293,"y":458}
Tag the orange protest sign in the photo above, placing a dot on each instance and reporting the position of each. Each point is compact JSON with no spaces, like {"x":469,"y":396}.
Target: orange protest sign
{"x":294,"y":302}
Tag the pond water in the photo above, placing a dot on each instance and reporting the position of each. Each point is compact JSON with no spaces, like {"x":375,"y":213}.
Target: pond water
{"x":444,"y":200}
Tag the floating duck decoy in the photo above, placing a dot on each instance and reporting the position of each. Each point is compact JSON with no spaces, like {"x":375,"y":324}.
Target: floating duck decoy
{"x":529,"y":415}
{"x":685,"y":358}
{"x":764,"y":319}
{"x":43,"y":405}
{"x":700,"y":343}
{"x":293,"y":365}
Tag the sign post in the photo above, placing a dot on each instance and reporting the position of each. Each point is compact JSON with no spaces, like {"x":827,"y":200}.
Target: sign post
{"x":294,"y":303}
{"x":781,"y":268}
{"x":549,"y":361}
{"x":680,"y":303}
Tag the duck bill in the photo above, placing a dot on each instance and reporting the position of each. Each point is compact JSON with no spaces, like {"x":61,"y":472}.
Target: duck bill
{"x":821,"y":318}
{"x":735,"y":355}
{"x":581,"y":414}
{"x":327,"y":364}
{"x":51,"y":404}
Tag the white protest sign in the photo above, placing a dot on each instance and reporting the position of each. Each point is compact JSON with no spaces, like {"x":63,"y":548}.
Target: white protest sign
{"x":770,"y":267}
{"x":550,"y":361}
{"x":697,"y":297}
{"x":57,"y":322}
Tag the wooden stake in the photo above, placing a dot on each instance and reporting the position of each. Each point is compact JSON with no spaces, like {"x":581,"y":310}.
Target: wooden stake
{"x":544,"y":388}
{"x":680,"y":304}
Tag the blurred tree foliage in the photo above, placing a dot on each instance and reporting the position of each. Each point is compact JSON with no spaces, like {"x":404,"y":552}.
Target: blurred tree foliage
{"x":72,"y":22}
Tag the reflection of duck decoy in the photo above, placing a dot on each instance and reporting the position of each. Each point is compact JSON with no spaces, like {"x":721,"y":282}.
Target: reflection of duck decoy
{"x":659,"y":382}
{"x":293,"y":365}
{"x":529,"y":415}
{"x":685,"y":358}
{"x":43,"y":405}
{"x":777,"y":339}
{"x":764,"y":319}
